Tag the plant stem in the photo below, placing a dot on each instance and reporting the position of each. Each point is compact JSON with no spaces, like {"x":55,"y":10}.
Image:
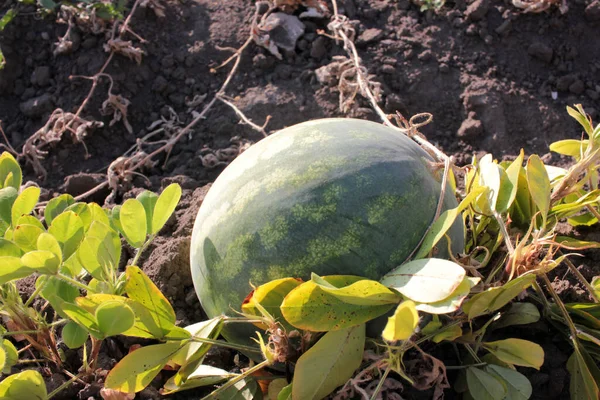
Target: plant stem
{"x":73,"y":282}
{"x":381,"y":382}
{"x":504,"y":232}
{"x":481,"y":364}
{"x":62,"y":387}
{"x":226,"y":344}
{"x":139,"y":251}
{"x":96,"y":345}
{"x":581,"y":278}
{"x":561,"y":306}
{"x":473,"y":353}
{"x":235,"y":380}
{"x":36,"y":292}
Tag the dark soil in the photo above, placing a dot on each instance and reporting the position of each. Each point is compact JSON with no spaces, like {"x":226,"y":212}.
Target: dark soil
{"x":495,"y":80}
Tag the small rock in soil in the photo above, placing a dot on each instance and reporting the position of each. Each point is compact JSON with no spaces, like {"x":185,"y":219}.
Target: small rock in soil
{"x":369,"y":36}
{"x":319,"y":47}
{"x":477,"y":10}
{"x":592,"y":11}
{"x":284,"y":30}
{"x":82,"y":182}
{"x":577,"y":87}
{"x":540,"y":51}
{"x":160,"y":84}
{"x":470,"y":127}
{"x":37,"y":106}
{"x":564,"y":82}
{"x":262,"y":61}
{"x":41,"y":76}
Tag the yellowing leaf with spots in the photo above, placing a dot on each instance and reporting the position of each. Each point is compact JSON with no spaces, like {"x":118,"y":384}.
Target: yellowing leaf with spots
{"x":312,"y":308}
{"x":141,"y":289}
{"x":270,"y":296}
{"x":402,"y":324}
{"x":363,"y":293}
{"x":329,"y":363}
{"x":134,"y":372}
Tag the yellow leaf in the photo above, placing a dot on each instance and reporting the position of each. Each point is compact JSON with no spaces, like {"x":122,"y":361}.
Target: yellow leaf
{"x":402,"y":324}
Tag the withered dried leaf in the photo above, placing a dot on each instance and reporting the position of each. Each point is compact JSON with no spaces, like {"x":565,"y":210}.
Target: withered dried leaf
{"x":154,"y":5}
{"x":117,"y":106}
{"x":111,"y":394}
{"x":125,"y":48}
{"x":428,"y":372}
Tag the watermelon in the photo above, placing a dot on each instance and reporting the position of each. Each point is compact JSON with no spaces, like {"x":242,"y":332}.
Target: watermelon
{"x":330,"y":196}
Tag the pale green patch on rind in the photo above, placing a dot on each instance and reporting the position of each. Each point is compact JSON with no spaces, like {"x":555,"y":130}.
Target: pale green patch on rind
{"x":379,"y":209}
{"x":273,"y":232}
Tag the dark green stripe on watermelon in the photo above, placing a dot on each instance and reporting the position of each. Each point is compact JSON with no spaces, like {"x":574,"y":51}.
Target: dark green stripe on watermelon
{"x":333,"y":196}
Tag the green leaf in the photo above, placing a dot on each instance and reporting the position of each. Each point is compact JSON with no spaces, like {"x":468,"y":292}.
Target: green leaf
{"x":95,"y":256}
{"x":25,"y":236}
{"x":402,"y":324}
{"x":362,"y":293}
{"x":539,"y":185}
{"x":115,"y":218}
{"x":484,"y":386}
{"x":575,"y":244}
{"x":42,"y":261}
{"x":311,"y":308}
{"x":6,"y":18}
{"x":137,"y":369}
{"x":580,"y":116}
{"x":83,"y":211}
{"x":25,"y":203}
{"x":109,"y":237}
{"x":582,"y":385}
{"x":8,"y":195}
{"x":73,"y":335}
{"x":246,"y":389}
{"x":564,"y":210}
{"x":495,"y":178}
{"x":286,"y":393}
{"x":11,"y":356}
{"x":587,"y":219}
{"x":8,"y":248}
{"x":570,"y":147}
{"x":270,"y":296}
{"x":30,"y":220}
{"x":28,"y":385}
{"x":13,"y":268}
{"x":454,"y":301}
{"x":517,"y":351}
{"x":517,"y":385}
{"x":47,"y":242}
{"x":68,"y":229}
{"x":445,"y":222}
{"x":518,"y":314}
{"x":114,"y":317}
{"x":203,"y":375}
{"x":133,"y":222}
{"x":165,"y":206}
{"x":56,"y":206}
{"x":80,"y":316}
{"x":140,"y":288}
{"x":47,"y":4}
{"x":512,"y":173}
{"x":497,"y":297}
{"x":191,"y":355}
{"x":440,"y":277}
{"x":8,"y":165}
{"x":56,"y":287}
{"x":148,"y":200}
{"x":448,"y":333}
{"x":98,"y":214}
{"x":329,"y":363}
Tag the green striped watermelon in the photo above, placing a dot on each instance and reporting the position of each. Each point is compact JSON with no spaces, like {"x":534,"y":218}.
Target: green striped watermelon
{"x":331,"y":196}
